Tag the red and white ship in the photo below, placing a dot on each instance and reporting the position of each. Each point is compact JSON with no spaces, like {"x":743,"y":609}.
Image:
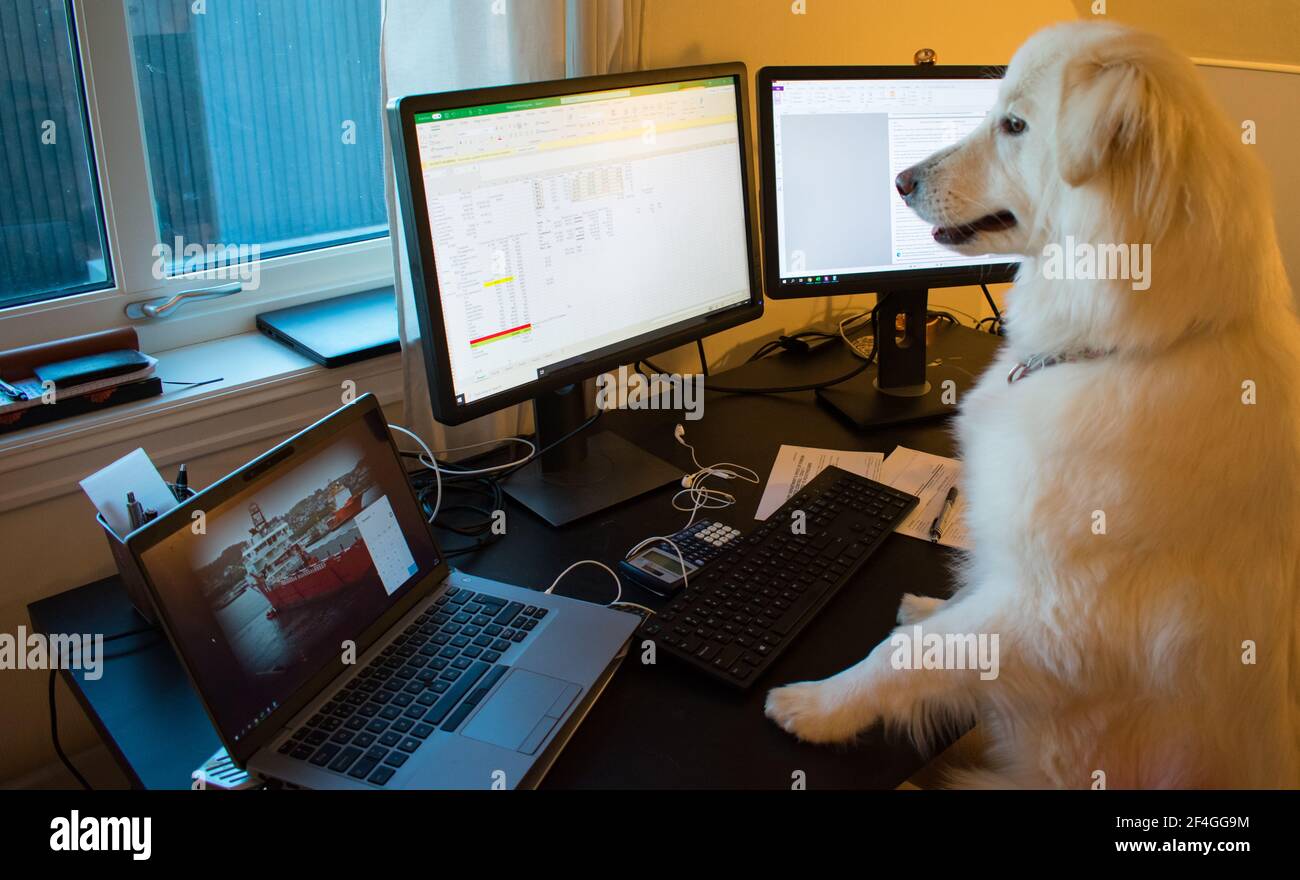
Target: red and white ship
{"x":287,"y":574}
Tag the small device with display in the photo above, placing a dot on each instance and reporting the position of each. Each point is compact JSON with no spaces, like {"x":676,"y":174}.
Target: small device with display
{"x":657,"y":567}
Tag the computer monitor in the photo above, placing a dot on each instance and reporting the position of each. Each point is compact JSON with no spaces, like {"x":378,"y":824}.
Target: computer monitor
{"x":558,"y":230}
{"x":832,"y":140}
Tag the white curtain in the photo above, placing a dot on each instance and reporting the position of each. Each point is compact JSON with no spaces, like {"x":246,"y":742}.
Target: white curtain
{"x":443,"y":45}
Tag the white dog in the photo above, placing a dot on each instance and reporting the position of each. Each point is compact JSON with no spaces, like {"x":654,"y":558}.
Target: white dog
{"x":1134,"y":496}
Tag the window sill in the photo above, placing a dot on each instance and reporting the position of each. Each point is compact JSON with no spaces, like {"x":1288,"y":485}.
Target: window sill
{"x":266,"y":391}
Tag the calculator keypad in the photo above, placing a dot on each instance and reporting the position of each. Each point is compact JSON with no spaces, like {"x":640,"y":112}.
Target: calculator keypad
{"x":705,"y":541}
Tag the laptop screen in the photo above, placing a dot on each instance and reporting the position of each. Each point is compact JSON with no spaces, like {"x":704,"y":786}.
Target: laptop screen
{"x":263,"y":590}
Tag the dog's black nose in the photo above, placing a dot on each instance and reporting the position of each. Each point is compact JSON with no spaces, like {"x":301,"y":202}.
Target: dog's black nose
{"x":905,"y":182}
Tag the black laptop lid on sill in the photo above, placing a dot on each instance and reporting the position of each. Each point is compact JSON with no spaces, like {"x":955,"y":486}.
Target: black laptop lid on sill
{"x":337,"y":331}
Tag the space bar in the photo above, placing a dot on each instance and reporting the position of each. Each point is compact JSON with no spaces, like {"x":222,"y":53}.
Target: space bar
{"x":461,"y":687}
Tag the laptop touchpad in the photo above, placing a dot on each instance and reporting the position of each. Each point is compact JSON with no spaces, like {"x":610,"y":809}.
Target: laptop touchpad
{"x":522,"y":711}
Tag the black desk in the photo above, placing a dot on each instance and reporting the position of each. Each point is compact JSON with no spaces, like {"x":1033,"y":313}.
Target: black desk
{"x":656,"y":726}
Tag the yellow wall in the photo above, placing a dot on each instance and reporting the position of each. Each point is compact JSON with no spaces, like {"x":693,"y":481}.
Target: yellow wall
{"x":1265,"y":31}
{"x":765,"y":32}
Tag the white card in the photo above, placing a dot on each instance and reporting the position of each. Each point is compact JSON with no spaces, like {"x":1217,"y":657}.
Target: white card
{"x":107,"y":488}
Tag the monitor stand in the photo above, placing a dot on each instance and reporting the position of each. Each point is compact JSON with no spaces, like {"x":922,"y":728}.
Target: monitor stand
{"x":584,"y":474}
{"x":898,"y":388}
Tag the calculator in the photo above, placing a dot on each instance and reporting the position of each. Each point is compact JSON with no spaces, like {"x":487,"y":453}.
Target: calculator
{"x":657,"y":567}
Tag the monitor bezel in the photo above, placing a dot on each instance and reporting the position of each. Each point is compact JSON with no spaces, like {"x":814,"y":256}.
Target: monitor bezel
{"x":421,"y":258}
{"x":281,"y":457}
{"x":861,"y":282}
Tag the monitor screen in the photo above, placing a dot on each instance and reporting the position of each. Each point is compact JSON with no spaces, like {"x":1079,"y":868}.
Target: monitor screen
{"x":263,"y":590}
{"x":572,"y":224}
{"x":836,"y":146}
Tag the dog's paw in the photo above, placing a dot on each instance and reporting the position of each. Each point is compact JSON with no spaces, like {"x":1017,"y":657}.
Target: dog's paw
{"x":914,"y":608}
{"x":814,"y":711}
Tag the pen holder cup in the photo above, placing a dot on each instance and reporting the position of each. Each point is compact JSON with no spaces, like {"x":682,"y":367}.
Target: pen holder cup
{"x":129,"y":570}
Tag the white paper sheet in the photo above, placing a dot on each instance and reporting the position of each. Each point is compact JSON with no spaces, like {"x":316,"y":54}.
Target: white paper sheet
{"x":795,"y":466}
{"x":928,"y":477}
{"x":131,"y":473}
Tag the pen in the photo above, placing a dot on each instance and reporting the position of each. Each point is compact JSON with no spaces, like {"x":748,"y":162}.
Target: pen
{"x":936,"y":527}
{"x":15,"y":393}
{"x":135,"y":510}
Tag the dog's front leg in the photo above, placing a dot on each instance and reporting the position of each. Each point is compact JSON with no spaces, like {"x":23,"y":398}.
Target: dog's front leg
{"x":913,"y":608}
{"x":883,"y":687}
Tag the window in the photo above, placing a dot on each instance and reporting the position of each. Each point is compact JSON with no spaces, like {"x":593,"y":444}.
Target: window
{"x":235,"y":130}
{"x":261,"y":123}
{"x":52,"y":240}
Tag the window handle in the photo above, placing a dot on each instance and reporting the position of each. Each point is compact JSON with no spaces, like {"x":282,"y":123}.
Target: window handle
{"x":162,"y":306}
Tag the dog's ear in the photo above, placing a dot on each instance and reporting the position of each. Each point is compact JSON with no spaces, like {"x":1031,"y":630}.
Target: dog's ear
{"x":1123,"y":114}
{"x":1107,"y":110}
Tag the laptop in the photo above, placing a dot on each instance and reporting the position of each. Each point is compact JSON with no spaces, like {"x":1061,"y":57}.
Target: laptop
{"x":332,"y":645}
{"x":337,"y":331}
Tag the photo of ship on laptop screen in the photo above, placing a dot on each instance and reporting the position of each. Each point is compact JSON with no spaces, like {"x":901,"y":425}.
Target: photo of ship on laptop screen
{"x":324,"y":532}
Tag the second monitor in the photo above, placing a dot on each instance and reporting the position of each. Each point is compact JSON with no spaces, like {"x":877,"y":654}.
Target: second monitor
{"x":833,"y":140}
{"x":558,"y":230}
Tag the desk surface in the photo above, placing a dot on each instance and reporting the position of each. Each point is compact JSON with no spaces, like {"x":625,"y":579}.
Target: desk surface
{"x":659,"y":726}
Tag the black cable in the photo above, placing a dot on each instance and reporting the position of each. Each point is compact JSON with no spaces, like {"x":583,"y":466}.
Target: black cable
{"x":554,"y":443}
{"x":871,"y":356}
{"x":792,"y":388}
{"x":994,"y":306}
{"x":193,"y":384}
{"x":649,"y":363}
{"x":54,"y":708}
{"x":792,"y":342}
{"x":704,"y":360}
{"x":54,"y":736}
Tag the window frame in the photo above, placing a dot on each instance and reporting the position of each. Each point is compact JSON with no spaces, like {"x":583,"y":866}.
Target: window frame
{"x":116,"y":128}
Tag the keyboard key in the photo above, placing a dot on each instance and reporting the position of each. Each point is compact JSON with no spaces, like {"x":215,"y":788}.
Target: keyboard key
{"x":361,"y":769}
{"x":324,"y":754}
{"x":507,"y":614}
{"x":457,"y":690}
{"x":455,"y":718}
{"x":381,"y":775}
{"x":344,"y":759}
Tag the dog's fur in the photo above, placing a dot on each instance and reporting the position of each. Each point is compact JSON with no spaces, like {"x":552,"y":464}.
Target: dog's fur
{"x":1123,"y":651}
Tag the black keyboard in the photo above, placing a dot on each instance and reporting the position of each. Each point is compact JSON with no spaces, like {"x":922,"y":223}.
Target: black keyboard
{"x":428,"y":678}
{"x":736,"y":618}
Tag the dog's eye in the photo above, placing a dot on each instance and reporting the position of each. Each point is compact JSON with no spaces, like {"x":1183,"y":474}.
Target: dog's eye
{"x":1012,"y":124}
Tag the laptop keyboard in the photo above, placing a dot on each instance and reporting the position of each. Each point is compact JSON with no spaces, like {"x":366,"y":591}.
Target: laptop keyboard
{"x":429,"y":678}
